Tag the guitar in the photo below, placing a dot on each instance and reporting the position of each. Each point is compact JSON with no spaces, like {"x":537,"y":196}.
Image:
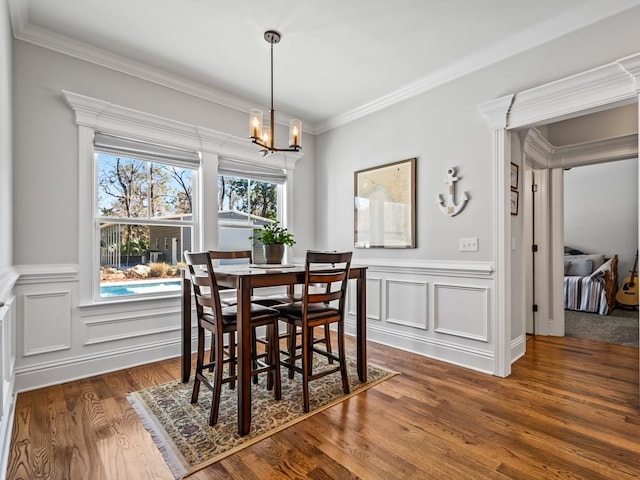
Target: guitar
{"x":628,"y":294}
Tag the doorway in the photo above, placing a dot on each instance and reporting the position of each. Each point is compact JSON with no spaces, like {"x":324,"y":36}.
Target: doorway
{"x":588,"y":159}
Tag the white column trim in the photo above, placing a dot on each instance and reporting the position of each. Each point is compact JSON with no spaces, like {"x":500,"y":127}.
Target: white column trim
{"x":497,"y":114}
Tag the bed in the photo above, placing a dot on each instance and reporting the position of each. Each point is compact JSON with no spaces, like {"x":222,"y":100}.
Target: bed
{"x":590,"y":282}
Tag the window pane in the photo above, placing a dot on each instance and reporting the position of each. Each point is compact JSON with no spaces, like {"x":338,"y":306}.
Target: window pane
{"x":122,"y":187}
{"x":139,"y":259}
{"x":263,"y":198}
{"x":171,"y":191}
{"x":232,"y":193}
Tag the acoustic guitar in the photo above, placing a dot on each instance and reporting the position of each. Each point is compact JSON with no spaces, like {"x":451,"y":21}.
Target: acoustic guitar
{"x":628,"y":294}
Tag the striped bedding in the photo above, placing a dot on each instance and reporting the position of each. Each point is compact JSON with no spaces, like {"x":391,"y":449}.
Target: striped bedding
{"x":586,"y":294}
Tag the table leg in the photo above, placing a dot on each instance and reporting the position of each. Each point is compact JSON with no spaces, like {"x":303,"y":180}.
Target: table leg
{"x":185,"y":313}
{"x":361,"y":325}
{"x":244,"y":356}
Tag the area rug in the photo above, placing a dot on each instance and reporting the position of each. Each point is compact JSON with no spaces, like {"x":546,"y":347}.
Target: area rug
{"x":181,"y":432}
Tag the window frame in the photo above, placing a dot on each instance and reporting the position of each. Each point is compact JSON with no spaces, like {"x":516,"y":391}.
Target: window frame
{"x":92,"y":114}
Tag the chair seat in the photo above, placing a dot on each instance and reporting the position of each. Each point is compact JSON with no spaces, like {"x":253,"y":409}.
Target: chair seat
{"x":230,"y":314}
{"x":314,"y":310}
{"x":266,"y":301}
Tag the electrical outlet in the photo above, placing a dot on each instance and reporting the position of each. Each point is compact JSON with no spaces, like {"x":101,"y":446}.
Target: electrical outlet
{"x":469,"y":244}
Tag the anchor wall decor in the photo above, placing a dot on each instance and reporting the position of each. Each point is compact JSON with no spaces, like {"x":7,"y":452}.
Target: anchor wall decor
{"x":450,"y":208}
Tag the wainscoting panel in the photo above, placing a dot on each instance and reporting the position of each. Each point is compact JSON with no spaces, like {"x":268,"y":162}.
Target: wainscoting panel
{"x":442,"y":310}
{"x":461,"y":311}
{"x":374,"y":298}
{"x":406,"y":302}
{"x":114,"y":328}
{"x":47,"y":322}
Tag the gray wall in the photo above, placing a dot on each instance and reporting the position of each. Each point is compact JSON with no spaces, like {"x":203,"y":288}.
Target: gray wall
{"x":443,"y":128}
{"x":5,"y":141}
{"x":46,"y":178}
{"x":433,"y":299}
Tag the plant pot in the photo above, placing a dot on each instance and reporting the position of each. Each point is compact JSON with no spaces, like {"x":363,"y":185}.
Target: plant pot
{"x":273,"y":253}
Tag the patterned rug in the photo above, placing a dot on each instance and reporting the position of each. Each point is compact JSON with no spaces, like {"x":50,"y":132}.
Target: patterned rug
{"x":181,"y":432}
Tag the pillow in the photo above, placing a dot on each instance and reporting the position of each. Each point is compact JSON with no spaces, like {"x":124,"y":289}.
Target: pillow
{"x":605,"y":267}
{"x":596,"y":258}
{"x":567,"y":265}
{"x":580,"y":267}
{"x":572,"y":251}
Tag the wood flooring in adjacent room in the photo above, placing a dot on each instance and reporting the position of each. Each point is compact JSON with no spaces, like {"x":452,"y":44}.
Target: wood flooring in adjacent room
{"x":569,"y":410}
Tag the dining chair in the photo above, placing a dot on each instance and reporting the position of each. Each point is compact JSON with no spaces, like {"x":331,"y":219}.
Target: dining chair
{"x":319,"y":307}
{"x":220,"y":322}
{"x":236,"y":256}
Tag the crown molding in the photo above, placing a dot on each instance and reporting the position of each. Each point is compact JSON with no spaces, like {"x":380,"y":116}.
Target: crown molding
{"x":542,"y":154}
{"x":23,"y":30}
{"x":556,"y":27}
{"x":597,"y":151}
{"x":538,"y":151}
{"x":570,"y":21}
{"x":586,"y":92}
{"x":497,"y":111}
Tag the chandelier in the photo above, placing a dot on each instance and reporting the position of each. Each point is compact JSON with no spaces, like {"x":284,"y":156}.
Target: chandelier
{"x":263,"y":135}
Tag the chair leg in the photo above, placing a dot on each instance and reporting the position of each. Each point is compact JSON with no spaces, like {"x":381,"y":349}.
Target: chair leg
{"x":217,"y":386}
{"x":307,"y":352}
{"x":269,"y":347}
{"x":327,"y":340}
{"x":343,"y":358}
{"x":211,"y":354}
{"x":274,"y":360}
{"x":199,"y":363}
{"x":291,"y":346}
{"x":254,"y":353}
{"x":233,"y":358}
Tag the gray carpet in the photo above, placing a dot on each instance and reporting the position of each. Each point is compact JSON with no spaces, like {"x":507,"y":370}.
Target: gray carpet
{"x":620,"y":327}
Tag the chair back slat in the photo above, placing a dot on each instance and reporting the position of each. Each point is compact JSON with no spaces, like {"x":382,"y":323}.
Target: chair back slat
{"x":205,"y":287}
{"x":330,"y":272}
{"x":231,"y":255}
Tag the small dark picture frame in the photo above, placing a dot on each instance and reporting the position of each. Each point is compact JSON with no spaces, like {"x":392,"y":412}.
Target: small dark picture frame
{"x":514,"y":176}
{"x":514,"y":202}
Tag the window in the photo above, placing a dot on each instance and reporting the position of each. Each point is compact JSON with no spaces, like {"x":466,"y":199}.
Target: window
{"x":144,"y":199}
{"x":248,"y":197}
{"x":205,"y":152}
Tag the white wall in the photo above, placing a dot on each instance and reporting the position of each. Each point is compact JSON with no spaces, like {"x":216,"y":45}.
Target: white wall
{"x":59,"y":338}
{"x":601,"y":210}
{"x":444,"y":128}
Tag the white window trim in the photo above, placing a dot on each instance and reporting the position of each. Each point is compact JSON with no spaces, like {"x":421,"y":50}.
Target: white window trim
{"x":93,"y":114}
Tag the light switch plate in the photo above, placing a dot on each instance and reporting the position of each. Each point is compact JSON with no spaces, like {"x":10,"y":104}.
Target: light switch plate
{"x":469,"y":244}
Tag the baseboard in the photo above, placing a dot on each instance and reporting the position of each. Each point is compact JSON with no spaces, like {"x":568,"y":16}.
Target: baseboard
{"x":474,"y":359}
{"x":518,"y":347}
{"x":70,"y":369}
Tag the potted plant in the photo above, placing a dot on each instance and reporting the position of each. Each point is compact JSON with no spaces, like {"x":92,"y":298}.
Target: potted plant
{"x":273,"y":238}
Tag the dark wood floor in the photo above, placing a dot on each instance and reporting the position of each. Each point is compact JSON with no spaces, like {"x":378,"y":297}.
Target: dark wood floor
{"x":569,"y":410}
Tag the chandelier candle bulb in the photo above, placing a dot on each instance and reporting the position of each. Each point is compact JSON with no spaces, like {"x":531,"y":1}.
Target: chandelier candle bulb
{"x":295,"y":133}
{"x":255,"y":122}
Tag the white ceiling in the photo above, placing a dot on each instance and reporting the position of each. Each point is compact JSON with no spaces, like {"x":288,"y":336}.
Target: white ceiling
{"x":338,"y":59}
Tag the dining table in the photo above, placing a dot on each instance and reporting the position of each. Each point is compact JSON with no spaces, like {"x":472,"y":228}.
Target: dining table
{"x":244,"y":278}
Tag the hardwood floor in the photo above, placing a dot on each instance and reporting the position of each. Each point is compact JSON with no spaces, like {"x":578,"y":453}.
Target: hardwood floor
{"x":569,"y":410}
